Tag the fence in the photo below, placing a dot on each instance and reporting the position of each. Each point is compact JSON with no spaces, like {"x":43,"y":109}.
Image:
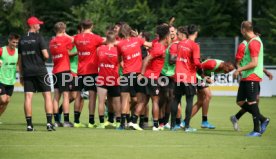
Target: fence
{"x":223,"y":48}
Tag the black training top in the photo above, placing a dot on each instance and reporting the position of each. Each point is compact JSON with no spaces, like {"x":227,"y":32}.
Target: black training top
{"x":30,"y":48}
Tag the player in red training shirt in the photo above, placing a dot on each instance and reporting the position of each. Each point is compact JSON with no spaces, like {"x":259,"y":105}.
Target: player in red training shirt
{"x":209,"y":67}
{"x":108,"y":78}
{"x":87,"y":43}
{"x":151,"y":68}
{"x":130,"y":53}
{"x":187,"y":63}
{"x":60,"y":47}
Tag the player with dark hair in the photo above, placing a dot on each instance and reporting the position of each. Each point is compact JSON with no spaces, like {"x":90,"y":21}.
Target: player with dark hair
{"x":168,"y":71}
{"x":87,"y":43}
{"x":32,"y":50}
{"x":252,"y":73}
{"x":151,"y":68}
{"x":187,"y":63}
{"x":108,"y":78}
{"x":8,"y":63}
{"x":204,"y":95}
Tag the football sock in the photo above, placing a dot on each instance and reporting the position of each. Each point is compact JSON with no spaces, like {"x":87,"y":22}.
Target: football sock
{"x":111,"y":117}
{"x":188,"y":111}
{"x":155,"y":123}
{"x":240,"y":114}
{"x":49,"y":118}
{"x":29,"y":121}
{"x":204,"y":118}
{"x":56,"y":117}
{"x":66,"y":117}
{"x":256,"y":117}
{"x":77,"y":117}
{"x":118,"y":119}
{"x":123,"y":120}
{"x":128,"y":118}
{"x":101,"y":117}
{"x":91,"y":119}
{"x":134,"y":118}
{"x":166,"y":118}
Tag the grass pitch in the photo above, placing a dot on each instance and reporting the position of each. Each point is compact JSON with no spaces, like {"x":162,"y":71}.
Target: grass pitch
{"x":82,"y":143}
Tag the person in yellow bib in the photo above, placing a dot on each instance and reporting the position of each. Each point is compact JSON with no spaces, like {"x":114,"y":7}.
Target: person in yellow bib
{"x":8,"y":58}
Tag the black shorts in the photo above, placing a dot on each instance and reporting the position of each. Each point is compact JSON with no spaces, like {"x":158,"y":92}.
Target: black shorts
{"x":129,"y":83}
{"x":112,"y":91}
{"x":37,"y":83}
{"x":87,"y":82}
{"x":6,"y":89}
{"x":184,"y":89}
{"x":152,"y":87}
{"x":167,"y":87}
{"x":248,"y":91}
{"x":201,"y":84}
{"x":62,"y":81}
{"x":74,"y":85}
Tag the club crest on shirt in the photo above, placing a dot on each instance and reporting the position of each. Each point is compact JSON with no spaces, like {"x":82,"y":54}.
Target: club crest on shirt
{"x":157,"y":91}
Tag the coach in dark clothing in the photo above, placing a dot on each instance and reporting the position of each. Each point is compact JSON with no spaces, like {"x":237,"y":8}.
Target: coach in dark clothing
{"x":33,"y":52}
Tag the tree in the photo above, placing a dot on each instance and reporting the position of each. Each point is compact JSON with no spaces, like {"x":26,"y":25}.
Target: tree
{"x":12,"y":12}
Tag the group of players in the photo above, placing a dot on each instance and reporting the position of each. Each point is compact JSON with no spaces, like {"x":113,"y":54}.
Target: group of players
{"x":124,"y":70}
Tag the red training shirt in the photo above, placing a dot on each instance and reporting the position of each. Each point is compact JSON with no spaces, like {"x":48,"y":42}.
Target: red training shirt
{"x":87,"y":44}
{"x":188,"y":56}
{"x":130,"y":50}
{"x":108,"y":66}
{"x":158,"y":52}
{"x":59,"y":48}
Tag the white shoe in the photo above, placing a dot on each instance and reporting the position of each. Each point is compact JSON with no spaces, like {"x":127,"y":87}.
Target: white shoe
{"x":234,"y":121}
{"x":135,"y":127}
{"x":155,"y":129}
{"x":167,"y":126}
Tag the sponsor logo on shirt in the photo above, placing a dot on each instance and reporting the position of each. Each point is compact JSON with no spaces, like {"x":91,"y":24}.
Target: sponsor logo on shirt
{"x":84,"y":53}
{"x":129,"y":46}
{"x":182,"y":59}
{"x":133,"y":56}
{"x":57,"y":56}
{"x":107,"y":65}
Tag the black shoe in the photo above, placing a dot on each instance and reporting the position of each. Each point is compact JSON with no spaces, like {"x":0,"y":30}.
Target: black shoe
{"x":50,"y":127}
{"x":30,"y":128}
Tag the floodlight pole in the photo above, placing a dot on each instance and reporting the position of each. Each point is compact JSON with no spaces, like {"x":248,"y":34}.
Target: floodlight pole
{"x":249,"y":10}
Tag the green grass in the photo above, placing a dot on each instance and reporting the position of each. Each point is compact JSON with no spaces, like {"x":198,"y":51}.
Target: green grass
{"x":81,"y":143}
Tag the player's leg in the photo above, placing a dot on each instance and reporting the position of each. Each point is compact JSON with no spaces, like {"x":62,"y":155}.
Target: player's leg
{"x":178,"y":116}
{"x":56,"y":99}
{"x":190,"y":91}
{"x":4,"y":101}
{"x":102,"y":93}
{"x":142,"y":100}
{"x":66,"y":109}
{"x":91,"y":108}
{"x":205,"y":108}
{"x":155,"y":110}
{"x":174,"y":104}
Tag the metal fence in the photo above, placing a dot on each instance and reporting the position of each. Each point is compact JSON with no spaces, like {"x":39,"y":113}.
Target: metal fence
{"x":223,"y":48}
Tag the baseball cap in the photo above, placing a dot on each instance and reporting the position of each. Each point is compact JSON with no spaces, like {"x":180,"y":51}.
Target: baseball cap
{"x":34,"y":20}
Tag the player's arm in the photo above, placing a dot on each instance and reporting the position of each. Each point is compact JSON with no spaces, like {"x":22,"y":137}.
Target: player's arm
{"x":147,"y":44}
{"x":268,"y":74}
{"x":20,"y":70}
{"x":45,"y":54}
{"x":173,"y":53}
{"x":254,"y":48}
{"x":146,"y":61}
